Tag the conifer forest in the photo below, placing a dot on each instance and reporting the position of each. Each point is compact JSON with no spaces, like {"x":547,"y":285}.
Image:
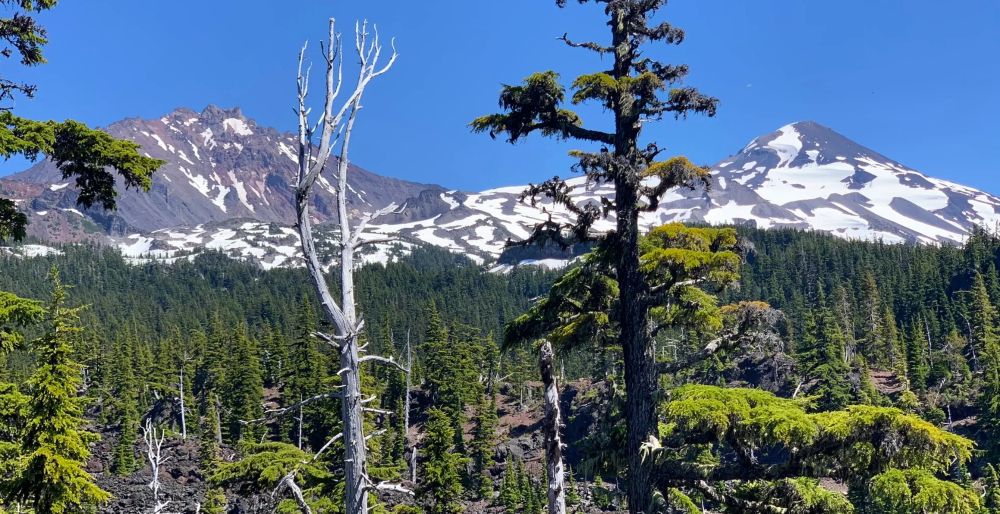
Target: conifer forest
{"x":347,"y":343}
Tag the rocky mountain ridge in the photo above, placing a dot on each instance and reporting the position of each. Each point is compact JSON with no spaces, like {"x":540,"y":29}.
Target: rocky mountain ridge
{"x":226,"y":186}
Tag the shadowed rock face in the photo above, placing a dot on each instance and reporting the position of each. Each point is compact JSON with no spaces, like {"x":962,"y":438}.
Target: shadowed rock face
{"x":226,"y":186}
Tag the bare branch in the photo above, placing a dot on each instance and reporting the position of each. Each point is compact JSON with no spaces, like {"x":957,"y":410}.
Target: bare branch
{"x":396,"y":488}
{"x":390,"y":361}
{"x":277,"y":413}
{"x":327,"y":445}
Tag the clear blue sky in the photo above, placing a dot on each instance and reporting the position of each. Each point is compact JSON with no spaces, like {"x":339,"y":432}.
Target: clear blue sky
{"x":914,"y":79}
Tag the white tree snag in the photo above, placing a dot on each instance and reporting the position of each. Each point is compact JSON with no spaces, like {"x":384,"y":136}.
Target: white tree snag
{"x":154,"y":447}
{"x":409,"y":445}
{"x":313,"y":158}
{"x":550,"y":427}
{"x":181,"y":387}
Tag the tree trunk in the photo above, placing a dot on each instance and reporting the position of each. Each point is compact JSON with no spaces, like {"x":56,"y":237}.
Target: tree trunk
{"x":343,"y":317}
{"x":635,"y":340}
{"x":412,"y":463}
{"x":550,"y":427}
{"x":183,"y":417}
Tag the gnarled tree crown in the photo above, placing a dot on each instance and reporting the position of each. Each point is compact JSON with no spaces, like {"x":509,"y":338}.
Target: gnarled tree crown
{"x":637,"y":89}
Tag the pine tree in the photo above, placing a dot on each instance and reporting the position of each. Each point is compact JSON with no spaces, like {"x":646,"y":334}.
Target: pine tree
{"x":244,"y":390}
{"x":437,"y":357}
{"x":989,"y":398}
{"x":483,"y":445}
{"x":51,"y":476}
{"x":214,"y":501}
{"x":917,"y":366}
{"x":441,"y":481}
{"x":635,"y":89}
{"x":982,"y":318}
{"x":510,"y":493}
{"x":991,"y":485}
{"x":820,"y":355}
{"x":209,"y":433}
{"x":572,"y":489}
{"x":124,"y":405}
{"x":303,"y":378}
{"x":872,"y":346}
{"x":274,"y":357}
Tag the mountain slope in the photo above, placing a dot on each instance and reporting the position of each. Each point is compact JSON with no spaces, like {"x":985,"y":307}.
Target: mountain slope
{"x":226,"y":186}
{"x":802,"y":176}
{"x":220,"y":166}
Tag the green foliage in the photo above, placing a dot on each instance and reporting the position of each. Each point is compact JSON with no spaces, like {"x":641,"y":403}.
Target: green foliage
{"x":821,"y":358}
{"x":917,"y":365}
{"x":264,"y":466}
{"x":794,"y":496}
{"x":441,"y":481}
{"x":510,"y":491}
{"x":483,"y":445}
{"x":533,"y":105}
{"x":214,"y":501}
{"x":680,"y":262}
{"x":711,"y":433}
{"x":991,"y":486}
{"x":15,"y":312}
{"x":50,"y":472}
{"x":22,"y":37}
{"x":80,"y":153}
{"x":905,"y":491}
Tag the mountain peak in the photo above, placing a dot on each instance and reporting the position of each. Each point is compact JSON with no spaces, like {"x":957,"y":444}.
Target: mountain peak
{"x":801,"y":143}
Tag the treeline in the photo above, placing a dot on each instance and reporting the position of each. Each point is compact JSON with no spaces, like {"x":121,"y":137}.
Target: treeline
{"x":236,"y":365}
{"x":925,"y":314}
{"x":155,"y":299}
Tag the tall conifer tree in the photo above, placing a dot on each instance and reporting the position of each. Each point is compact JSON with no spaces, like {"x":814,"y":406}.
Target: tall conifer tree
{"x":51,"y":475}
{"x":636,"y":89}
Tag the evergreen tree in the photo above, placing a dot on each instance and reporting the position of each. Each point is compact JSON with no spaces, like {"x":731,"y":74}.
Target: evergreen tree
{"x":483,"y":445}
{"x":123,"y":403}
{"x":991,"y":485}
{"x":636,"y":89}
{"x":723,"y":428}
{"x":572,"y":491}
{"x":985,"y":337}
{"x":917,"y":366}
{"x":244,"y":390}
{"x":441,"y":482}
{"x":821,"y":358}
{"x":437,"y":358}
{"x":274,"y":357}
{"x":510,"y":492}
{"x":50,"y":472}
{"x":214,"y":501}
{"x":210,"y":433}
{"x":303,"y":378}
{"x":982,"y":319}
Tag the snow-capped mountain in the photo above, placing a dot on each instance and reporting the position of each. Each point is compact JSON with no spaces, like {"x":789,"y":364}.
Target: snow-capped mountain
{"x":226,"y":187}
{"x":220,"y":165}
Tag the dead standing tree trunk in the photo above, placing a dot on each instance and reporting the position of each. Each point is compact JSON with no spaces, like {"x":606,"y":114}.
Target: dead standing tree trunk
{"x":550,"y":427}
{"x":335,"y":126}
{"x":154,"y":449}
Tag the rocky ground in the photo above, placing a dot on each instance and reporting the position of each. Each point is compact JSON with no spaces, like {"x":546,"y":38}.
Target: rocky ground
{"x":519,"y":433}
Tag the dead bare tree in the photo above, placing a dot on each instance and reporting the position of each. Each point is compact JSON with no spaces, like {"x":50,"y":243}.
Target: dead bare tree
{"x":406,"y":413}
{"x":550,"y":428}
{"x":334,"y":127}
{"x":180,"y":383}
{"x":153,"y":440}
